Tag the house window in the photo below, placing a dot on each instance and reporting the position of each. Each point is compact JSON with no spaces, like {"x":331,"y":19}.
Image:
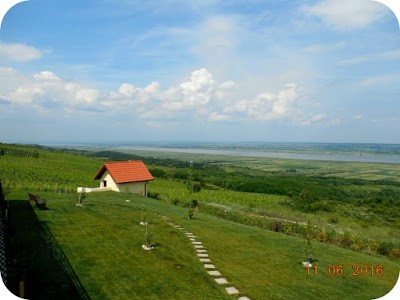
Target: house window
{"x":105,"y":183}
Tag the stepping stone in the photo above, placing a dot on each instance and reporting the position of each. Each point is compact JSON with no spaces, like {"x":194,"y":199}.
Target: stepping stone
{"x":201,"y":251}
{"x":205,"y":260}
{"x":188,"y":233}
{"x":181,"y":228}
{"x":244,"y":298}
{"x":214,"y":273}
{"x":192,"y":239}
{"x":221,"y":280}
{"x":202,"y":254}
{"x":191,"y":236}
{"x":209,"y":266}
{"x":232,"y":290}
{"x":196,"y":243}
{"x":198,"y":246}
{"x":177,"y":226}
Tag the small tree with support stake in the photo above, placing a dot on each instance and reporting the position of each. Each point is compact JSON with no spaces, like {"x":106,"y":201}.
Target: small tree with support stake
{"x":308,"y":248}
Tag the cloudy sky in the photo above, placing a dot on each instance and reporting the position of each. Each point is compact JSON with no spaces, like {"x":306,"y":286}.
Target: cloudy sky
{"x":254,"y":70}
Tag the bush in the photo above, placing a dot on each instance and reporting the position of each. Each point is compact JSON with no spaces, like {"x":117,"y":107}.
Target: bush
{"x":385,"y":248}
{"x":394,"y":254}
{"x":322,"y":206}
{"x":159,"y":173}
{"x":175,"y":202}
{"x":345,"y":239}
{"x":333,"y":219}
{"x":373,"y":245}
{"x":357,"y":243}
{"x":305,"y":200}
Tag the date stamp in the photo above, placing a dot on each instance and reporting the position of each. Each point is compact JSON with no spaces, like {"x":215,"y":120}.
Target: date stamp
{"x":340,"y":271}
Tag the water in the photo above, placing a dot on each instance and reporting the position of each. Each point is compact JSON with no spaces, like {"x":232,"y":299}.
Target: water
{"x":284,"y":155}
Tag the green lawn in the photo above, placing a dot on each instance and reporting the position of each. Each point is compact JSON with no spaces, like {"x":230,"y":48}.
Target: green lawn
{"x":103,"y":239}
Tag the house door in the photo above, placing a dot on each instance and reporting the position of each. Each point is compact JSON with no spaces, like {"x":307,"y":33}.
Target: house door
{"x":105,"y":183}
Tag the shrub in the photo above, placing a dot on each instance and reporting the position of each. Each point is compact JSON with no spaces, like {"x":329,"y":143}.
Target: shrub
{"x":385,"y":248}
{"x":306,"y":199}
{"x":175,"y":201}
{"x":333,"y":219}
{"x":373,"y":245}
{"x":345,"y":239}
{"x":394,"y":254}
{"x":357,"y":243}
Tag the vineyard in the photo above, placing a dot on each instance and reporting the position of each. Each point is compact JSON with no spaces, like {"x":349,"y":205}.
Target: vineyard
{"x":41,"y":170}
{"x":177,"y":191}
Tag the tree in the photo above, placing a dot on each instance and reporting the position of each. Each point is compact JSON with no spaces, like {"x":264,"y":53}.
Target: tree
{"x":35,"y":154}
{"x":306,"y":199}
{"x":1,"y":152}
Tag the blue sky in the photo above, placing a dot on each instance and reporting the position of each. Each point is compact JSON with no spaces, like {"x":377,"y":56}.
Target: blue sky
{"x":255,"y":70}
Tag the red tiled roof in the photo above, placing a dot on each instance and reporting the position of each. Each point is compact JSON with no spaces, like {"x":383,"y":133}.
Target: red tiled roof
{"x":125,"y":171}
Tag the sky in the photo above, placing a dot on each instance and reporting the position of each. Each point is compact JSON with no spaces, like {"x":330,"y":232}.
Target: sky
{"x":108,"y":71}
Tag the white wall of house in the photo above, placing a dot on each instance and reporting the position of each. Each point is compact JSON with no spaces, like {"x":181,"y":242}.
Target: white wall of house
{"x":110,"y":181}
{"x":138,"y":188}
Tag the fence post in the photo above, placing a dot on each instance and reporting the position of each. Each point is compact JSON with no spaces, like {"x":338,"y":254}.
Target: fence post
{"x":22,"y":289}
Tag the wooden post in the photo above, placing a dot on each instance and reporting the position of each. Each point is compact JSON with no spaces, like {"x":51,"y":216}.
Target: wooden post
{"x":6,"y":213}
{"x":22,"y":289}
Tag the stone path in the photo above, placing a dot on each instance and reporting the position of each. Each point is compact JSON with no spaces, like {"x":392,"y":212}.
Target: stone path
{"x":203,"y":257}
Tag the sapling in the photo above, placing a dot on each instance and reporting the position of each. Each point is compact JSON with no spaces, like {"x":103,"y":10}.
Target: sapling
{"x":308,"y":245}
{"x":127,"y":194}
{"x":190,"y":213}
{"x":143,"y":215}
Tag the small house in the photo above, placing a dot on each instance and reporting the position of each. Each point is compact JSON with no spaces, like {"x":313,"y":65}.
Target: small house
{"x":122,"y":175}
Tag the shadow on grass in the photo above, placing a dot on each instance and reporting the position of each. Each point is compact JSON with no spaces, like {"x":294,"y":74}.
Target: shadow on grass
{"x":36,"y":260}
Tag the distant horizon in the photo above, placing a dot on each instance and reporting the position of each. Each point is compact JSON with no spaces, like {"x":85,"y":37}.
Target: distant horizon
{"x":188,"y":142}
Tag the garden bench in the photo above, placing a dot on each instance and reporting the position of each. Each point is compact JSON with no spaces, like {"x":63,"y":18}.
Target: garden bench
{"x":37,"y":200}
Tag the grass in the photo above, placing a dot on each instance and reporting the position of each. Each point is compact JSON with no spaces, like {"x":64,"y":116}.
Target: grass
{"x":263,"y":204}
{"x":32,"y":259}
{"x":103,"y":239}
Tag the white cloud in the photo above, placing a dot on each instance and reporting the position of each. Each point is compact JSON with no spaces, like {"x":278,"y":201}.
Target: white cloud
{"x":335,"y":122}
{"x":219,"y":117}
{"x":375,"y":80}
{"x":315,"y":118}
{"x":358,"y":117}
{"x":46,"y":76}
{"x":127,"y":89}
{"x":384,"y":56}
{"x":266,"y":106}
{"x":200,"y":97}
{"x":19,"y":52}
{"x":345,"y":14}
{"x":46,"y":87}
{"x":315,"y":48}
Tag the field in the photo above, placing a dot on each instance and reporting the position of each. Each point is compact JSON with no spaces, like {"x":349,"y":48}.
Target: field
{"x":102,"y":241}
{"x":369,"y":171}
{"x":240,"y":205}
